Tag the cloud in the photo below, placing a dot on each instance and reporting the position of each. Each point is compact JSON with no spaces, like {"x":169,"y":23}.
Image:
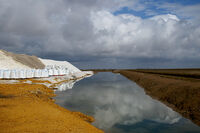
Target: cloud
{"x":81,"y":29}
{"x":159,"y":36}
{"x":190,"y":12}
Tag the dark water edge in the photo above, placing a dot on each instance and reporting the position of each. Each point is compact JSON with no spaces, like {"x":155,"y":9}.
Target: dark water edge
{"x":121,"y":106}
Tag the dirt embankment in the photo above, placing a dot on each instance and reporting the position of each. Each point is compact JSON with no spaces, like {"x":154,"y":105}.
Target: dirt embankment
{"x":30,"y":108}
{"x":180,"y":93}
{"x":178,"y":73}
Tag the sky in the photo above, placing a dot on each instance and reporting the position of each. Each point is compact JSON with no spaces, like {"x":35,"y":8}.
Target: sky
{"x":104,"y":33}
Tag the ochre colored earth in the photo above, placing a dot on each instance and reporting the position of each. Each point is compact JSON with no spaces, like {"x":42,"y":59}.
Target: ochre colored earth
{"x":30,"y":108}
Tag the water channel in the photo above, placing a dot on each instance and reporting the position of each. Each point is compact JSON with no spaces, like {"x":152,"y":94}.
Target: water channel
{"x":121,"y":106}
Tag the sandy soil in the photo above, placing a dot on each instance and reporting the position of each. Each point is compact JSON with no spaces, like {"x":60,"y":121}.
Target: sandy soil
{"x":30,"y":108}
{"x":179,"y":92}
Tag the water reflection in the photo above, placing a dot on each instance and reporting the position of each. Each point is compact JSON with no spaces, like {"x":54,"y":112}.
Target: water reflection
{"x":117,"y":104}
{"x":66,"y":85}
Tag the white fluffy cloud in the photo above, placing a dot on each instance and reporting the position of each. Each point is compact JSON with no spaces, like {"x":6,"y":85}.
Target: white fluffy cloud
{"x":88,"y":28}
{"x":158,"y":36}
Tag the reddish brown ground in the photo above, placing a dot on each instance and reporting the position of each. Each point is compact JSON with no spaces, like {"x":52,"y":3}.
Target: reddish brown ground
{"x":179,"y":92}
{"x":30,"y":108}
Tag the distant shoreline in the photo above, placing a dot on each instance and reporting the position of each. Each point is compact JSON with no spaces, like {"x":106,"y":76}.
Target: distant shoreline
{"x":183,"y":72}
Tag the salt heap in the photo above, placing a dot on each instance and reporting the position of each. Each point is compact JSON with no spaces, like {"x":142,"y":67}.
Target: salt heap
{"x":59,"y":65}
{"x":16,"y":66}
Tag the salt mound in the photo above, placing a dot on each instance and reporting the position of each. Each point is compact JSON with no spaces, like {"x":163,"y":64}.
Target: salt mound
{"x":7,"y":62}
{"x":65,"y":64}
{"x":14,"y":66}
{"x":30,"y":61}
{"x":10,"y":61}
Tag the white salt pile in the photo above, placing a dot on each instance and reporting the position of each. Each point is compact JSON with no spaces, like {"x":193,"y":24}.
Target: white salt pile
{"x":63,"y":64}
{"x":7,"y":62}
{"x":10,"y":68}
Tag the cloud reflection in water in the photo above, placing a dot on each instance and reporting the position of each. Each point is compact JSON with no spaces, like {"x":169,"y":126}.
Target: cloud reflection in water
{"x":116,"y":102}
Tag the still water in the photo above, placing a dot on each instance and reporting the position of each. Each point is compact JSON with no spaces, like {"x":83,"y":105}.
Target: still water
{"x":121,"y":106}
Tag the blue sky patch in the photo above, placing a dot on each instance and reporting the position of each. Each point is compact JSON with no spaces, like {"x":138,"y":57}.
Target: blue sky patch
{"x":149,"y":12}
{"x":184,"y":2}
{"x":152,"y":8}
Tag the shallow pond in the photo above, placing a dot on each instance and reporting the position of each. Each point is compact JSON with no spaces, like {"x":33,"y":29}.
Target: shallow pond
{"x":121,"y":106}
